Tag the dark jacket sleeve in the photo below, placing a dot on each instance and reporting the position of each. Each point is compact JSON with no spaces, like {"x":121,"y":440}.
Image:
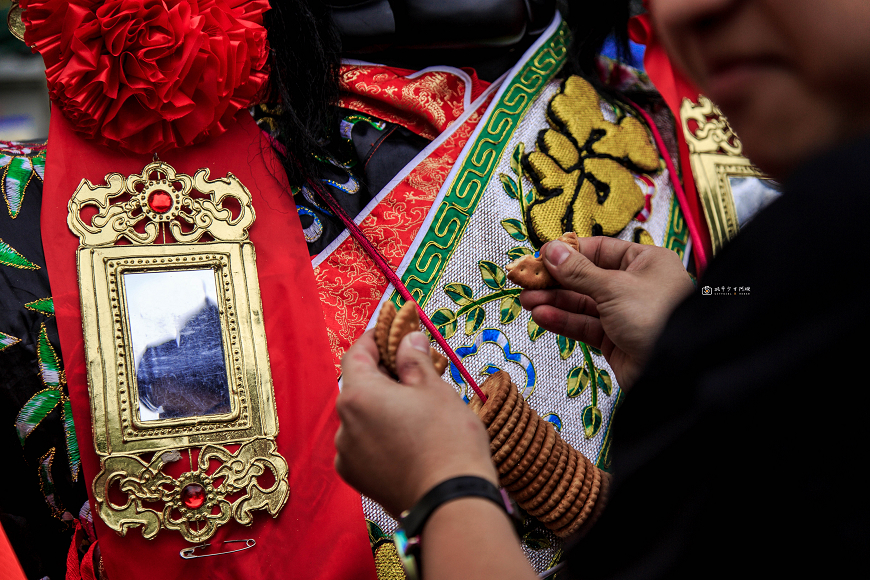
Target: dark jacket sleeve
{"x":738,"y":452}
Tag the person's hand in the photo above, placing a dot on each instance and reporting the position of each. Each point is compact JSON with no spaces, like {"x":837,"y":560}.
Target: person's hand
{"x":398,"y":440}
{"x":616,"y":296}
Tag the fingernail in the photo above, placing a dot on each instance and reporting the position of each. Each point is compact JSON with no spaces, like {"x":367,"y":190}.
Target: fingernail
{"x":557,"y":252}
{"x":419,"y":341}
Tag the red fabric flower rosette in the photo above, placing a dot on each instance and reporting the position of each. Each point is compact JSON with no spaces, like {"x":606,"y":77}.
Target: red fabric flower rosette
{"x":150,"y":75}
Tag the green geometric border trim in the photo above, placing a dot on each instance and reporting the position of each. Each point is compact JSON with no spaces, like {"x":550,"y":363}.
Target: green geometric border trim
{"x":455,"y":210}
{"x":678,"y":234}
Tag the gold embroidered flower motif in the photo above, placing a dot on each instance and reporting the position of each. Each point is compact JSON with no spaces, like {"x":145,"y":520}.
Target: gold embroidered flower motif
{"x":582,"y":170}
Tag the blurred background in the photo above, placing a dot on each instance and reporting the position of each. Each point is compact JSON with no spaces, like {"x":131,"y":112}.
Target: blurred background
{"x":23,"y":95}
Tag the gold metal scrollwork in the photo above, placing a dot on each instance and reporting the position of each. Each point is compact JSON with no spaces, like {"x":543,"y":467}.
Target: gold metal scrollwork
{"x":202,"y":215}
{"x":140,"y":483}
{"x":717,"y":156}
{"x":196,"y":391}
{"x":14,"y":22}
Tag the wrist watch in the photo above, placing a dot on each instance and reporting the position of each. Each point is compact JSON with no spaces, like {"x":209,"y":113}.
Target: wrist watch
{"x":407,"y":536}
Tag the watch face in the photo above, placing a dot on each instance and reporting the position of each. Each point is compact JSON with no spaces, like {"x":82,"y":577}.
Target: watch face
{"x":408,"y":552}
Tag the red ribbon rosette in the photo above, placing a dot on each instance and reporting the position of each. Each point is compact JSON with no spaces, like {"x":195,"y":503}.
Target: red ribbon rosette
{"x":150,"y":75}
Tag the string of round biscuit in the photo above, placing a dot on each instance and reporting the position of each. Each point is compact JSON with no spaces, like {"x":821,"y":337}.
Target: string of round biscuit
{"x":548,"y":478}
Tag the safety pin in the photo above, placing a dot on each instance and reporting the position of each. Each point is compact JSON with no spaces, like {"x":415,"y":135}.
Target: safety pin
{"x":188,"y":554}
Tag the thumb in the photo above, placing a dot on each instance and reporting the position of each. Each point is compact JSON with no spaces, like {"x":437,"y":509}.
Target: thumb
{"x":413,"y":361}
{"x":573,"y":270}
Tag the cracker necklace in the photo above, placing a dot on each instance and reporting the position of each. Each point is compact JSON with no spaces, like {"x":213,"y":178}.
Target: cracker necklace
{"x":546,"y":476}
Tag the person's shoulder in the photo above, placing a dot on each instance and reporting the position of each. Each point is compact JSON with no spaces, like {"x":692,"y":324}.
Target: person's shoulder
{"x":834,"y":179}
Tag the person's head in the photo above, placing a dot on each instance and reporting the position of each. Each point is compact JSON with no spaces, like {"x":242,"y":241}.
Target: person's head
{"x":793,"y":76}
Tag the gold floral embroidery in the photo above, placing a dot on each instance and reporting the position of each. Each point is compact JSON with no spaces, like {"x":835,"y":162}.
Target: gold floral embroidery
{"x":582,"y":170}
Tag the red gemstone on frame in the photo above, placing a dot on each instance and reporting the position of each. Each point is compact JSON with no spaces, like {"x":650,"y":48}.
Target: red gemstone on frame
{"x":160,"y":201}
{"x":193,"y":496}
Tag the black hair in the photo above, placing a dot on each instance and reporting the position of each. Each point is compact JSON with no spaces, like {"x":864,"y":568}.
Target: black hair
{"x":305,"y":57}
{"x":306,"y":54}
{"x":592,"y":22}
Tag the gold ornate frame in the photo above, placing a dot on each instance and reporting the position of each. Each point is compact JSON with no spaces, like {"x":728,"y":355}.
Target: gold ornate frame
{"x":716,"y":155}
{"x":712,"y":172}
{"x":135,"y":453}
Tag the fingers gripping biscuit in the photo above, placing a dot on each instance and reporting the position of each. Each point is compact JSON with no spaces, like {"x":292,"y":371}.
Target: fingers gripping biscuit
{"x":530,"y":272}
{"x":392,"y":326}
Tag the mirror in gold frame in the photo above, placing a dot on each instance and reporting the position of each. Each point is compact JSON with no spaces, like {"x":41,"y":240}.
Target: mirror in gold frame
{"x":178,"y":364}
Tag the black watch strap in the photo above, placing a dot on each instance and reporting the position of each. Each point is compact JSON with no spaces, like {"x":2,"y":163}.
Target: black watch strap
{"x":414,"y":519}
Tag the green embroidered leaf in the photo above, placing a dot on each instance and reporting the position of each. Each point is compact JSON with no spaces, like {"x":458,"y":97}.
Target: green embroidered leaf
{"x":516,"y":158}
{"x":617,"y":110}
{"x":474,"y":320}
{"x":535,"y":331}
{"x":46,"y":483}
{"x":444,"y":320}
{"x":519,"y":252}
{"x":44,"y":305}
{"x":578,"y":380}
{"x":592,"y":420}
{"x":536,"y":540}
{"x":39,"y":164}
{"x":72,"y":444}
{"x":493,"y":276}
{"x":49,"y":363}
{"x":9,"y":257}
{"x":509,"y":185}
{"x":18,"y":175}
{"x":516,"y":229}
{"x":595,"y":351}
{"x":510,"y":308}
{"x":566,"y":346}
{"x":459,"y":293}
{"x":35,"y":410}
{"x":605,"y":383}
{"x":7,"y":340}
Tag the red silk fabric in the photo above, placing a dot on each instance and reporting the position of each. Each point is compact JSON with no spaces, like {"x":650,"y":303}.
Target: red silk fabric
{"x":674,"y":86}
{"x":349,"y":282}
{"x":426,"y":104}
{"x":320,"y":533}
